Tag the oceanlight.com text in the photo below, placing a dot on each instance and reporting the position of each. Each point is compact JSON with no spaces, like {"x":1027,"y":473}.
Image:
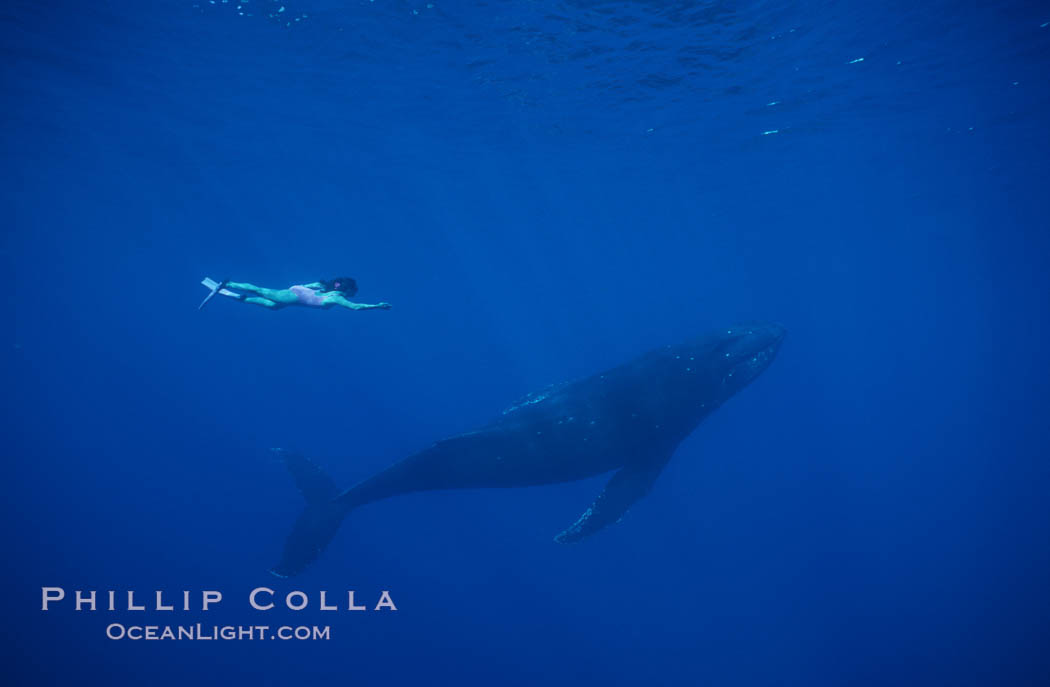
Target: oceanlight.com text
{"x":201,"y":632}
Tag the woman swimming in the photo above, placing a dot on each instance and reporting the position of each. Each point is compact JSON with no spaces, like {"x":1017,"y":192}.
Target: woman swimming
{"x":318,"y":294}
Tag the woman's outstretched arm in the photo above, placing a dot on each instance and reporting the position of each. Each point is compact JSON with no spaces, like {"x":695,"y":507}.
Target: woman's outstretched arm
{"x":340,"y":300}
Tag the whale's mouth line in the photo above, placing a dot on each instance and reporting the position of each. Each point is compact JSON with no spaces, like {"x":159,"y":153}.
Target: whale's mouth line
{"x":751,"y":366}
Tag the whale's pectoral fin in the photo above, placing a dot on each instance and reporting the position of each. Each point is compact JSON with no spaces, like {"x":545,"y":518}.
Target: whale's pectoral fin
{"x":626,"y":486}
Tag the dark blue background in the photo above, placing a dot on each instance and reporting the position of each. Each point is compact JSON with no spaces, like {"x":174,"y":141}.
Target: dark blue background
{"x":542,"y":189}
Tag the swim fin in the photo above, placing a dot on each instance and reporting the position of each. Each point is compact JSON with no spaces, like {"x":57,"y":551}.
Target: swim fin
{"x":215,"y":286}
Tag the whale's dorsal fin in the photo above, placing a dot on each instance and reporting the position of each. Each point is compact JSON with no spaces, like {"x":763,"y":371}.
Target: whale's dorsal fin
{"x":629,"y":484}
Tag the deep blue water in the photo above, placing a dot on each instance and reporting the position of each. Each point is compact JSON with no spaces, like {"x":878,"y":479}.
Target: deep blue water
{"x":543,"y":189}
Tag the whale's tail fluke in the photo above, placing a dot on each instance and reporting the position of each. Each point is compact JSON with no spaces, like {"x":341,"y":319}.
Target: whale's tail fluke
{"x":316,"y":526}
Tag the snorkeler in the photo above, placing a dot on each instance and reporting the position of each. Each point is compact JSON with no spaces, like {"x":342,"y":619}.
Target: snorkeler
{"x":318,"y":294}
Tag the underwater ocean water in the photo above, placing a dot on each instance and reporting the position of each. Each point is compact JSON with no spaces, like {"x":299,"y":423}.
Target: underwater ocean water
{"x":542,"y":189}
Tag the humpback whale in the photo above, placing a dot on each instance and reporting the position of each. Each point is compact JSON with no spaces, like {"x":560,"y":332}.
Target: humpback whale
{"x":629,"y":419}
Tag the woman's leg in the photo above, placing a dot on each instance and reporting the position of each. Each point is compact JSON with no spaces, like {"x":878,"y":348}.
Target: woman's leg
{"x":264,"y":302}
{"x":254,"y":300}
{"x":275,"y":296}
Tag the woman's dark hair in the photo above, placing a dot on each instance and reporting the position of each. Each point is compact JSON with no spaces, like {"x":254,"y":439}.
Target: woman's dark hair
{"x":346,"y":285}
